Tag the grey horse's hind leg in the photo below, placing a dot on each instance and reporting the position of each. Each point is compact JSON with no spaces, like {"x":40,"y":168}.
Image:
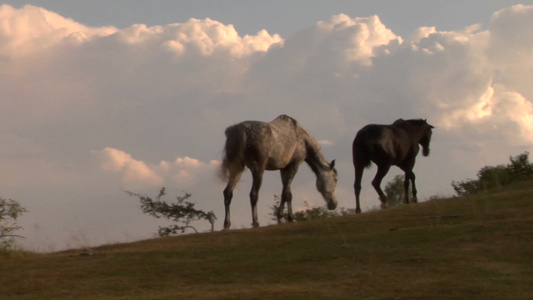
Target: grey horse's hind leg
{"x":234,"y":177}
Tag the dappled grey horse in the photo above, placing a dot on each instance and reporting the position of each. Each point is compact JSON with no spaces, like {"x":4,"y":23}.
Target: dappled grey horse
{"x":387,"y":145}
{"x":278,"y":145}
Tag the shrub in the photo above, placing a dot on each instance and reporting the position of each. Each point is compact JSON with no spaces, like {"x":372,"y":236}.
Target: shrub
{"x":490,"y":177}
{"x":309,"y":213}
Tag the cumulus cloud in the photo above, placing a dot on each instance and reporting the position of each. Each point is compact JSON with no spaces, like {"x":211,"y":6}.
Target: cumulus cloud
{"x":164,"y":94}
{"x":183,"y":172}
{"x":187,"y":172}
{"x":133,"y":172}
{"x":32,"y":29}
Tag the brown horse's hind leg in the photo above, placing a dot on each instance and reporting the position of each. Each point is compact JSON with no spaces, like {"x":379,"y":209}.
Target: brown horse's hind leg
{"x":376,"y":183}
{"x":357,"y":186}
{"x":234,"y":177}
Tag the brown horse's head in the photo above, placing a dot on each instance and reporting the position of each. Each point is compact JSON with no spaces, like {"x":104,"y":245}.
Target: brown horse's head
{"x":426,"y":131}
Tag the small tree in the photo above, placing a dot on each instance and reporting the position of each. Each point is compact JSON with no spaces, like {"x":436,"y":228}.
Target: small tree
{"x":182,"y":212}
{"x":394,"y":190}
{"x":520,"y":168}
{"x":275,"y":208}
{"x":10,"y":210}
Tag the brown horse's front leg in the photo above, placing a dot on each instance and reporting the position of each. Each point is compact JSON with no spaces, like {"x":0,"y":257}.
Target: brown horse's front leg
{"x":410,"y":178}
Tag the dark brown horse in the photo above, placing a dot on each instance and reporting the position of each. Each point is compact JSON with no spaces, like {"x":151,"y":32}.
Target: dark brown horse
{"x":387,"y":145}
{"x":278,"y":145}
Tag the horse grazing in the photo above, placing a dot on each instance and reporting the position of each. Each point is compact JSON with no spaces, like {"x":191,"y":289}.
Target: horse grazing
{"x":387,"y":145}
{"x":281,"y":144}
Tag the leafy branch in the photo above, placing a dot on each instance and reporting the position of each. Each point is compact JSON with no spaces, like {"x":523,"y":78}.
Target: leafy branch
{"x":182,"y":212}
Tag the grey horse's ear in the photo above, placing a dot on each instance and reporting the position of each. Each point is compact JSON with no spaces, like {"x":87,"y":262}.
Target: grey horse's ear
{"x":332,"y":164}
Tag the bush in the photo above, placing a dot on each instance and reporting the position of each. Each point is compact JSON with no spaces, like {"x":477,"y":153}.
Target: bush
{"x":310,"y":213}
{"x":490,"y":177}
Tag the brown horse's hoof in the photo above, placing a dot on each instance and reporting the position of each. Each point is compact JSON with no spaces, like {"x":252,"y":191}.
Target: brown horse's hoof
{"x":227,"y":225}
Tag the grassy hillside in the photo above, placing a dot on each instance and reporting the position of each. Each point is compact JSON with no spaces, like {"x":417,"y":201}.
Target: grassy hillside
{"x":480,"y":247}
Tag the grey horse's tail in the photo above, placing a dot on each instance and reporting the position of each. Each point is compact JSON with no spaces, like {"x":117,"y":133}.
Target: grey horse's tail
{"x":233,"y":150}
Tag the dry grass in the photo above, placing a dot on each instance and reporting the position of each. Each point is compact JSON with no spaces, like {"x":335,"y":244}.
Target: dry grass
{"x":478,"y":247}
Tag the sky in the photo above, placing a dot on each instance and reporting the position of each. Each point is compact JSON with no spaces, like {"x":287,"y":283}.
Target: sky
{"x":103,"y":97}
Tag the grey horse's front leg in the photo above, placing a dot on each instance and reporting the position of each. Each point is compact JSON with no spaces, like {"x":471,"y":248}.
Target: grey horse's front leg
{"x":287,"y":175}
{"x":254,"y":196}
{"x":279,"y":211}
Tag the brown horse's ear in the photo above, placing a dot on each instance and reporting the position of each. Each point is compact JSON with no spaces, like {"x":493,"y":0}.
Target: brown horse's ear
{"x":332,"y":164}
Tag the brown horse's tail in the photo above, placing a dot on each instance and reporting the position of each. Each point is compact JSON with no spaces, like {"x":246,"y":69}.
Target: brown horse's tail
{"x":233,"y":150}
{"x":362,"y":150}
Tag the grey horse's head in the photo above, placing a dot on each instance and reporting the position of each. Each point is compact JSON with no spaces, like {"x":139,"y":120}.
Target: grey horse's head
{"x":326,"y":182}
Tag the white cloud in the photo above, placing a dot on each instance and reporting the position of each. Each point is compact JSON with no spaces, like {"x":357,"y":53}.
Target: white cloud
{"x":199,"y":37}
{"x":183,"y":172}
{"x":133,"y":172}
{"x":32,"y":29}
{"x":188,"y":172}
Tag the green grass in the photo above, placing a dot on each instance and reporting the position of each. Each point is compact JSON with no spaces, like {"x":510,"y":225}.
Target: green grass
{"x":479,"y":247}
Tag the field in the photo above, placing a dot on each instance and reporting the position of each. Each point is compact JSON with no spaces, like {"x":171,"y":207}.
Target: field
{"x":478,"y":247}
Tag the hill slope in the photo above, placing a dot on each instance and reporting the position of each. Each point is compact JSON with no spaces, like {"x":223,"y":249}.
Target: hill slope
{"x":480,"y":247}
